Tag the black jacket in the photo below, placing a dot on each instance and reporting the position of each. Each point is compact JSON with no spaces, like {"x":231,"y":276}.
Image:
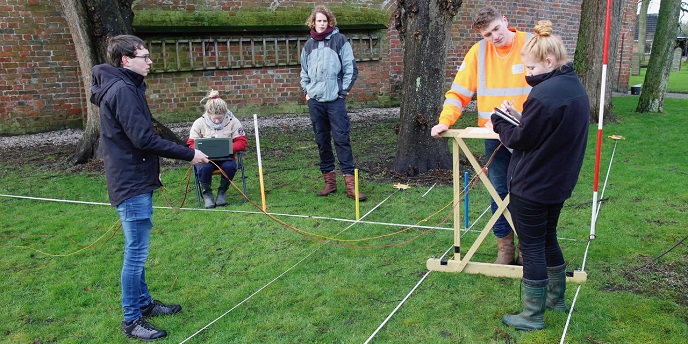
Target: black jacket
{"x":130,"y":145}
{"x":549,"y":145}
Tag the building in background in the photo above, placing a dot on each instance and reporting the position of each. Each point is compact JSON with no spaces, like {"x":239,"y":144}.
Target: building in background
{"x":247,"y":50}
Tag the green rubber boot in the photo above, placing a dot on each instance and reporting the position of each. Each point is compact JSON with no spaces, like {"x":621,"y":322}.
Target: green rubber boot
{"x":222,"y":193}
{"x":556,"y":289}
{"x":533,"y":316}
{"x":207,"y":193}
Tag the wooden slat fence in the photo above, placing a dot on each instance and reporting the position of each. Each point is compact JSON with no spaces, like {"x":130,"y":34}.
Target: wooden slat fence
{"x":181,"y":55}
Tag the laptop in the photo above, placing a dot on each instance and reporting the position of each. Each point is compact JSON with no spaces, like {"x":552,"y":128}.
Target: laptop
{"x":215,"y":147}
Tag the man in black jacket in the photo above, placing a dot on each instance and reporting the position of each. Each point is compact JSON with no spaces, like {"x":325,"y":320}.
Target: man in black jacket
{"x":132,"y":168}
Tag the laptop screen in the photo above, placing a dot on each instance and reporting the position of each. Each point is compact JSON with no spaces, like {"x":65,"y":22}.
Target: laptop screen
{"x":215,"y":147}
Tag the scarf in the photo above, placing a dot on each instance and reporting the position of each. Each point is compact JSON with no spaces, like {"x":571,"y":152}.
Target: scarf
{"x":320,"y":36}
{"x":214,"y":126}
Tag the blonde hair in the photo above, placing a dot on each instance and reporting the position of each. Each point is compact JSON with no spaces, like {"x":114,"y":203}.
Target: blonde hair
{"x":214,"y":104}
{"x":544,"y":43}
{"x":331,"y":20}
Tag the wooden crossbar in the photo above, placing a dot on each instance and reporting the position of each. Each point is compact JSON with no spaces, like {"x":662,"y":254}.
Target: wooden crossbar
{"x":459,"y":264}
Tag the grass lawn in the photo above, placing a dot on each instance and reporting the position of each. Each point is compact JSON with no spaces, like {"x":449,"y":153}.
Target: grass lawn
{"x":319,"y":277}
{"x":678,"y":81}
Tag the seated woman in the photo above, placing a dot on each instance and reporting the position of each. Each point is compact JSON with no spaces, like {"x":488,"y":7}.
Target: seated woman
{"x":217,"y":121}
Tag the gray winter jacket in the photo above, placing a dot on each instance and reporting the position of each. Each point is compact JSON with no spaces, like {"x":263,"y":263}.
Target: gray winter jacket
{"x":328,"y":68}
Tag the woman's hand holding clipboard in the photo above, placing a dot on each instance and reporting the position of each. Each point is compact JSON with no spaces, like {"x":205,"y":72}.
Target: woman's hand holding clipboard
{"x":506,"y":115}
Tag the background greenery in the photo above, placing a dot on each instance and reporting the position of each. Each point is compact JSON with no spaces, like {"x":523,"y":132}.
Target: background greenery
{"x":273,"y":284}
{"x":677,"y":83}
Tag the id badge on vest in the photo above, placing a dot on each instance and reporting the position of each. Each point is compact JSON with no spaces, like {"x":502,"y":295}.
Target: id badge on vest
{"x":517,"y":69}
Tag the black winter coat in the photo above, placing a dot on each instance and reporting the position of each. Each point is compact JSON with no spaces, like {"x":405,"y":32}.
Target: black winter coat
{"x":549,"y":145}
{"x":128,"y":141}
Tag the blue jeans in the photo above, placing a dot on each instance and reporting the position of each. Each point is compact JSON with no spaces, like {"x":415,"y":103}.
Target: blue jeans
{"x":135,"y":214}
{"x":496,"y":172}
{"x":331,"y":121}
{"x":536,"y":226}
{"x":205,"y":171}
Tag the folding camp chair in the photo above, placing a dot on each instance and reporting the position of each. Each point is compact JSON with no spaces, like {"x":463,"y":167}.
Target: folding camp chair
{"x":239,"y":159}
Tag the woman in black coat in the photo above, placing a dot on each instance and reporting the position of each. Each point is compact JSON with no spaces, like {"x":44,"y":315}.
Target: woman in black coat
{"x":548,"y":148}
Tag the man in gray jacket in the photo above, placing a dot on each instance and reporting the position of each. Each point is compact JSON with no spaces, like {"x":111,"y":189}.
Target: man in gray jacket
{"x":328,"y":71}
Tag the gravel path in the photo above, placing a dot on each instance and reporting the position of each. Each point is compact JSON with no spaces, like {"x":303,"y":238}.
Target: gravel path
{"x":290,"y":121}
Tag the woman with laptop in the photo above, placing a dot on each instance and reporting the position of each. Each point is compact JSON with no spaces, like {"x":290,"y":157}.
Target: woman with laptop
{"x":217,"y":122}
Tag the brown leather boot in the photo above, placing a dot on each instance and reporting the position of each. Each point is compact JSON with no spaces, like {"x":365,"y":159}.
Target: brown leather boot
{"x":330,"y":184}
{"x":505,"y":255}
{"x":351,"y":188}
{"x":519,"y":258}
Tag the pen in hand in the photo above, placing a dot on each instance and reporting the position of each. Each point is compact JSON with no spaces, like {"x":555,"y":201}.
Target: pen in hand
{"x":509,"y":107}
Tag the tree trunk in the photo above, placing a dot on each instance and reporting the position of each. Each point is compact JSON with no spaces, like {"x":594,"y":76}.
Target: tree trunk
{"x":86,"y":54}
{"x":642,"y":29}
{"x":658,"y":68}
{"x":91,"y":23}
{"x":590,"y":50}
{"x":424,"y":27}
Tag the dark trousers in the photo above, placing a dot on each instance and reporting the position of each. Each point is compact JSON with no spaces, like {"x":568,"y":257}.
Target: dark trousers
{"x":331,"y":122}
{"x":536,"y":226}
{"x":496,"y":172}
{"x":205,"y":171}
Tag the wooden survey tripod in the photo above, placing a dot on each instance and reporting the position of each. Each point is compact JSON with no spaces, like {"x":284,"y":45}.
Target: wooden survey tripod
{"x":465,"y":265}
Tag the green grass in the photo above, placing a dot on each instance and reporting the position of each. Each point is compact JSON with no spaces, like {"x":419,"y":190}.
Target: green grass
{"x":213,"y":261}
{"x":678,"y":81}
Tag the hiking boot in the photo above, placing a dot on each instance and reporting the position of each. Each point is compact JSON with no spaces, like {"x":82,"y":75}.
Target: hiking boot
{"x":143,"y":330}
{"x":158,"y":308}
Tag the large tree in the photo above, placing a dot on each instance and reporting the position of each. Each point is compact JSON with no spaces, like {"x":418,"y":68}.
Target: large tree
{"x":642,"y":30}
{"x":658,"y":68}
{"x":589,"y":51}
{"x":424,"y":28}
{"x":91,"y":23}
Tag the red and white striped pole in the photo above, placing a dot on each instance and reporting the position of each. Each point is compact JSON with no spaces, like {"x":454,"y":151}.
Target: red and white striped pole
{"x":600,"y":121}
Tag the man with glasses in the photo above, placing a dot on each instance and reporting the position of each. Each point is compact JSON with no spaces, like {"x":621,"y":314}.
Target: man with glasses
{"x":130,"y":152}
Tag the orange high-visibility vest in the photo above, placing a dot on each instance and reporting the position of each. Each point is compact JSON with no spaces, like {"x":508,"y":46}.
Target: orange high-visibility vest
{"x":493,"y":75}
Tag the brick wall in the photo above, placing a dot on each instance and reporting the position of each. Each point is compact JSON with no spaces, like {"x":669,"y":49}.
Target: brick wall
{"x":522,"y":15}
{"x":40,"y":89}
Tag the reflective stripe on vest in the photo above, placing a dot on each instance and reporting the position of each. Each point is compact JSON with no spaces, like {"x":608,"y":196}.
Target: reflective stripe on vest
{"x":484,"y":91}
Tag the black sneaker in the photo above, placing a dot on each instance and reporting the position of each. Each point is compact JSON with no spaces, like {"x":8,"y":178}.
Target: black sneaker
{"x":158,"y":308}
{"x":143,"y":330}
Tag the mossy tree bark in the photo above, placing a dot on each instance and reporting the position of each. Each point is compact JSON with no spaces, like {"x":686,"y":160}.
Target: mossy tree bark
{"x":424,"y":28}
{"x":658,"y":68}
{"x":91,"y":23}
{"x":588,"y":60}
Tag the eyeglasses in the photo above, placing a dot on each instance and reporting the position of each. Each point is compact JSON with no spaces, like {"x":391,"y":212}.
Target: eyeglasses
{"x":144,"y":57}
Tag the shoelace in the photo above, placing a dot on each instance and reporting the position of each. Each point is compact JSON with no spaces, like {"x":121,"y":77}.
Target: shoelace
{"x":146,"y":325}
{"x":159,"y":305}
